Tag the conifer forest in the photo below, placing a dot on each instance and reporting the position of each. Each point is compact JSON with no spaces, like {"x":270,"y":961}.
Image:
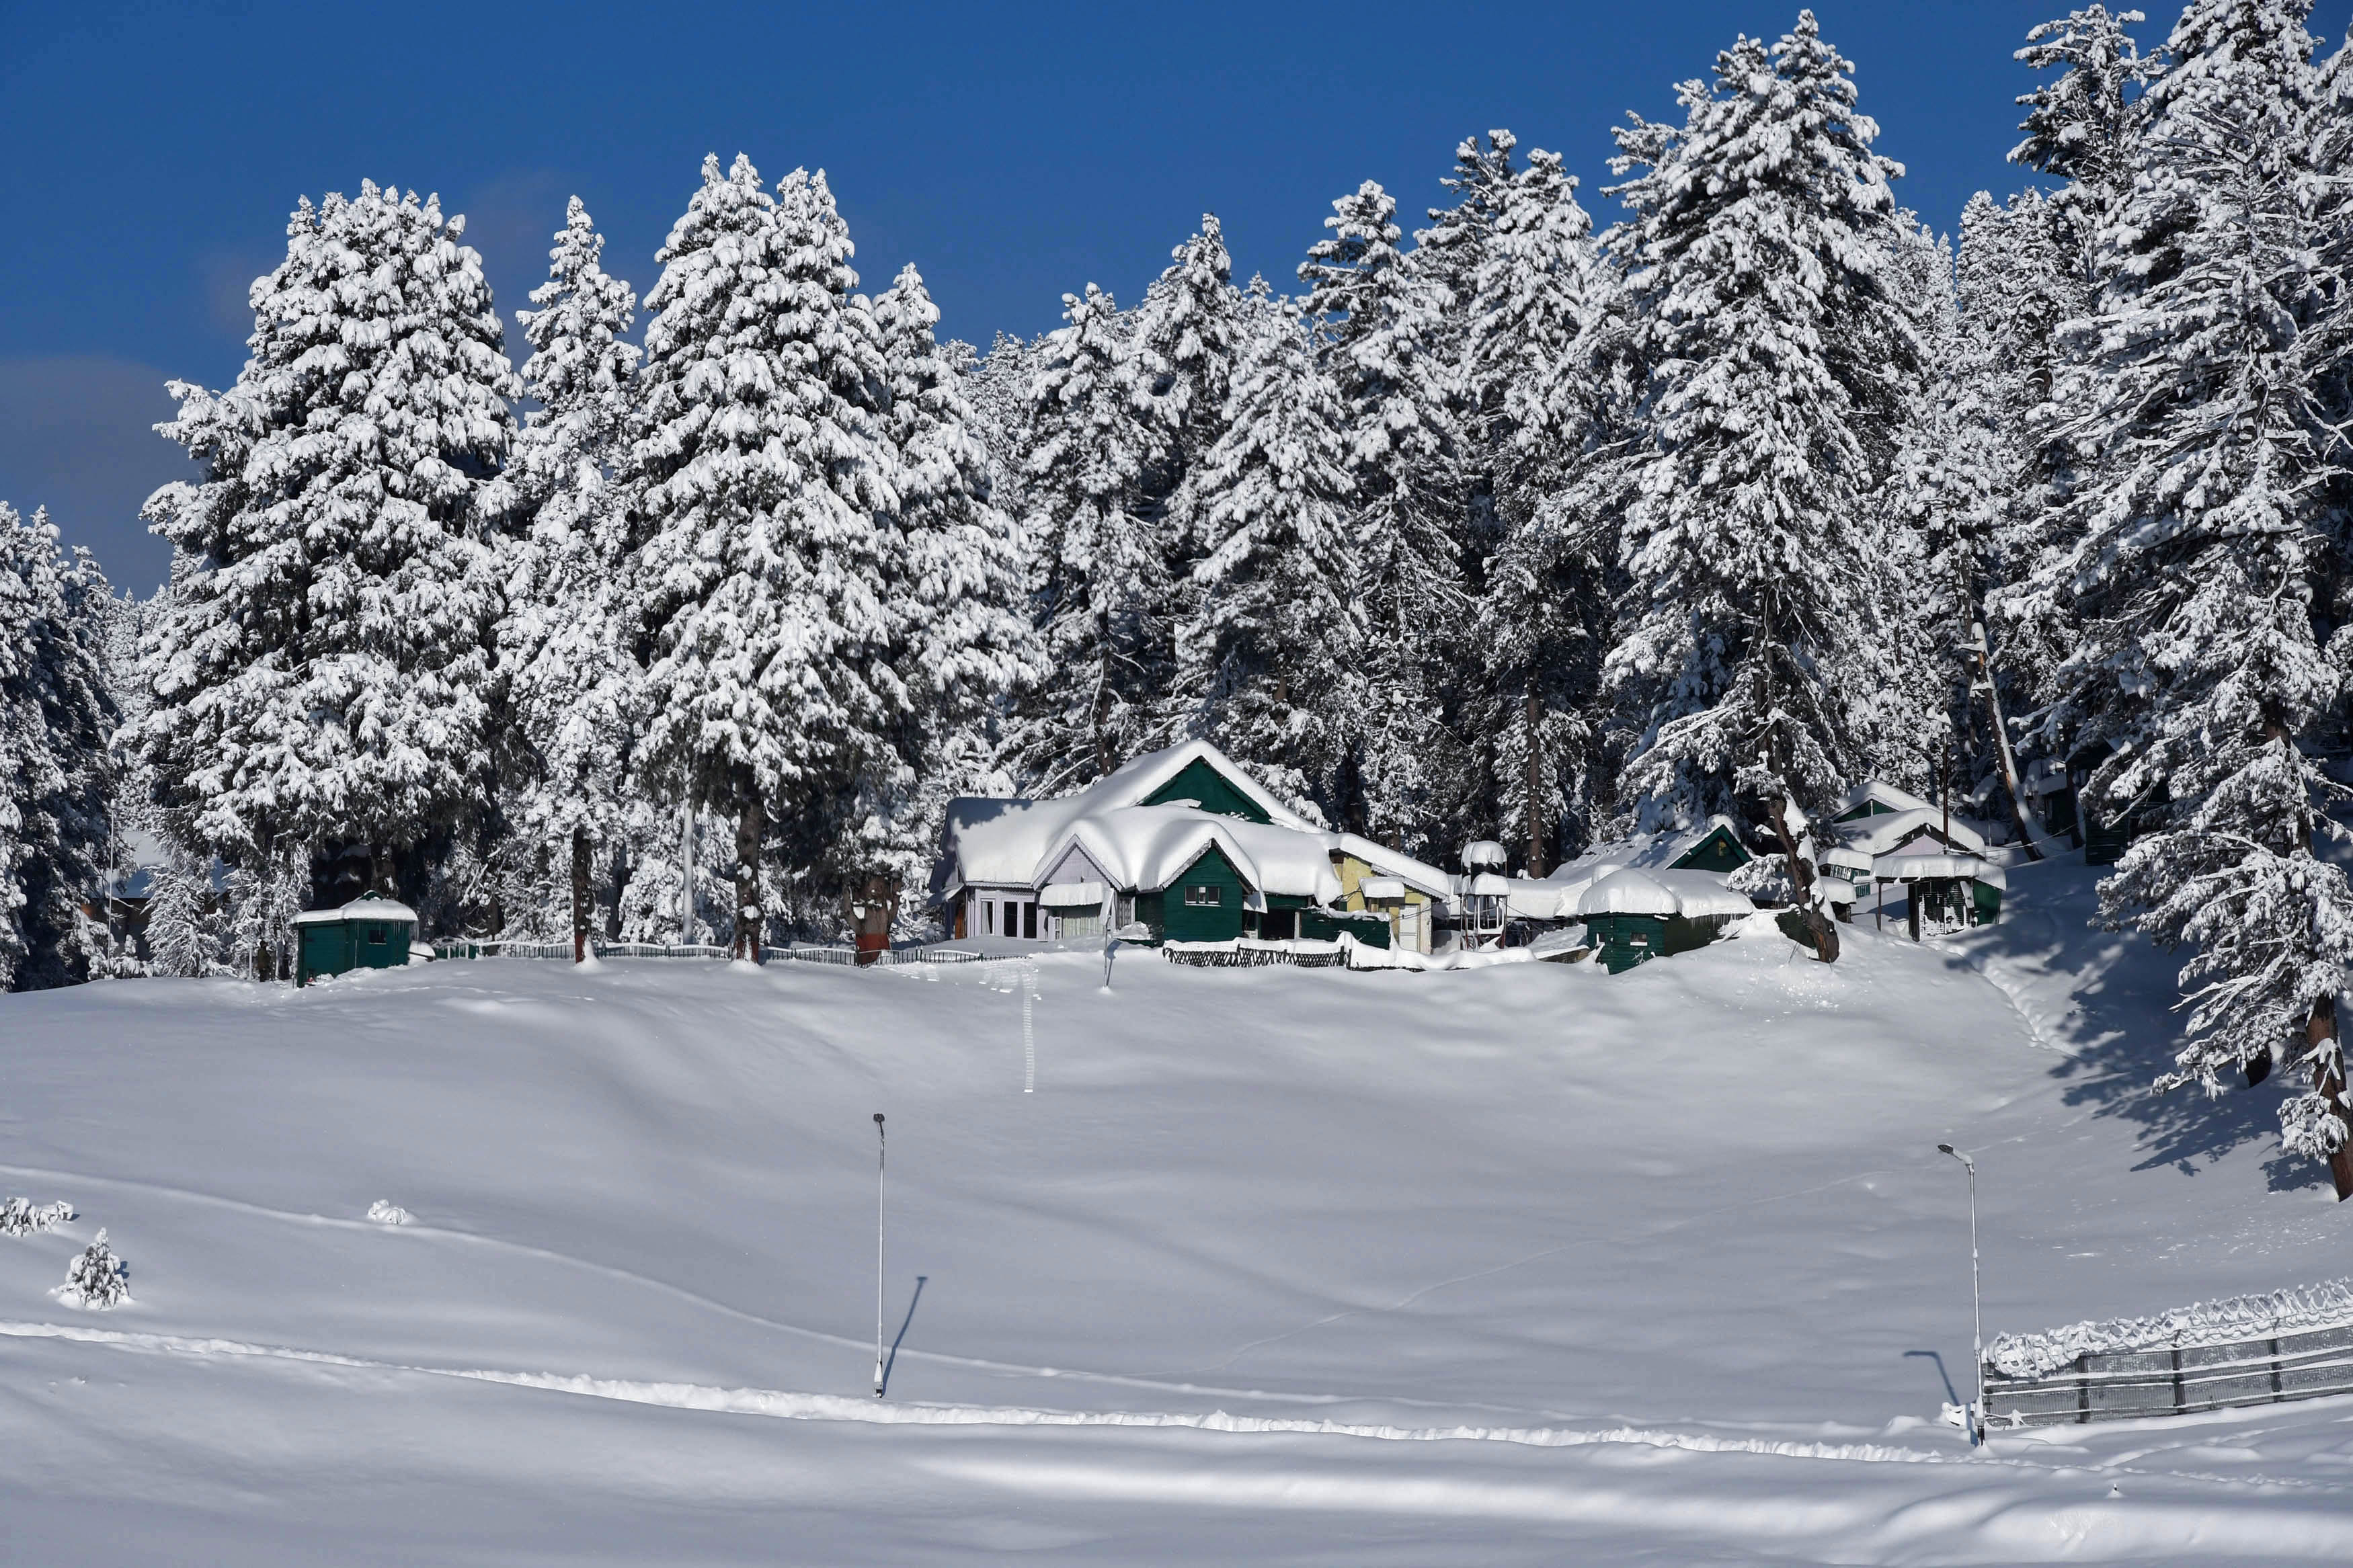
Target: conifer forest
{"x":1522,"y":510}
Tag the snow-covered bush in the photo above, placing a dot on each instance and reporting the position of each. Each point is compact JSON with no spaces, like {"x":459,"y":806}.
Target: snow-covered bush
{"x":1766,"y":880}
{"x":20,"y":1217}
{"x":384,"y":1213}
{"x":98,"y":1279}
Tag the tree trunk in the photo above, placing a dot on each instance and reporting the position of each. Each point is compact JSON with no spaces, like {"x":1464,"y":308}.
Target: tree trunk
{"x":1802,"y":876}
{"x":2002,"y":746}
{"x":2328,"y":1077}
{"x":579,"y":894}
{"x":1535,"y":784}
{"x":749,"y":831}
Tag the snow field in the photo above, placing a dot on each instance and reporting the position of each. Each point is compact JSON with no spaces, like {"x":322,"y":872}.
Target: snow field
{"x":1275,"y":1264}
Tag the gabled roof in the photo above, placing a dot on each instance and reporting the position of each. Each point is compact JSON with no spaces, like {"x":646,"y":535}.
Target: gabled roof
{"x":1144,"y":848}
{"x":1874,"y":796}
{"x":1878,"y":835}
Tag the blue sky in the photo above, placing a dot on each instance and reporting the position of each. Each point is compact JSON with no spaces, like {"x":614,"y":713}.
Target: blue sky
{"x":1013,"y":152}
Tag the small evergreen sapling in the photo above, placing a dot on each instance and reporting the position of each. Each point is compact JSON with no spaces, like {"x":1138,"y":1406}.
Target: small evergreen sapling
{"x":97,"y":1280}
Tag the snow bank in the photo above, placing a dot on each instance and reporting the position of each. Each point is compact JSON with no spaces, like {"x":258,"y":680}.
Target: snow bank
{"x":2298,"y":1309}
{"x":19,"y":1217}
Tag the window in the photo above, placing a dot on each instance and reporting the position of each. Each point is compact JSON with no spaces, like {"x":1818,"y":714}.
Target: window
{"x":1203,"y":896}
{"x":1029,"y":920}
{"x":989,"y":917}
{"x":375,"y":936}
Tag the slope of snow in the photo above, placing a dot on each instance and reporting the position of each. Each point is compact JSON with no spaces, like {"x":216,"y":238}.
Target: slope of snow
{"x":1518,"y":1264}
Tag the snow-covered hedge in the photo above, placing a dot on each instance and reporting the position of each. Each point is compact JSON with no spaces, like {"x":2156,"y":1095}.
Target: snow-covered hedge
{"x":98,"y":1279}
{"x":20,"y":1217}
{"x":2295,"y":1311}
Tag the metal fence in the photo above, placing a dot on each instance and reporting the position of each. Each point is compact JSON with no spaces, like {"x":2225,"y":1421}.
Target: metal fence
{"x":2177,"y":1380}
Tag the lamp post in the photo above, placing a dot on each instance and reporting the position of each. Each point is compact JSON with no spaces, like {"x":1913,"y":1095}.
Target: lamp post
{"x":881,"y":1152}
{"x":1977,"y":1310}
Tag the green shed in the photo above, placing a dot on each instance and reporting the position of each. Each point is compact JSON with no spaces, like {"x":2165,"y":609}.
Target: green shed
{"x":366,"y":933}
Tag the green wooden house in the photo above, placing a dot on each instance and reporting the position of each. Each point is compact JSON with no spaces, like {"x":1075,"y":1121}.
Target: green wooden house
{"x":366,"y":933}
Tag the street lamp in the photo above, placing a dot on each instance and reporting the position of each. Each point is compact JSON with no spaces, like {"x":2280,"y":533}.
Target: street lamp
{"x":1977,"y":1310}
{"x":881,"y":1150}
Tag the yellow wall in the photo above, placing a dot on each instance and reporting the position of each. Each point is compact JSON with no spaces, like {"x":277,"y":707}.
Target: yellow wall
{"x":1353,"y":871}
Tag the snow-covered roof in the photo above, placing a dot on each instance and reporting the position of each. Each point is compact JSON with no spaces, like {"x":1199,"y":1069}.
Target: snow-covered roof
{"x":1630,"y":890}
{"x":1925,"y":857}
{"x":1878,"y":835}
{"x":1643,"y":851}
{"x":1142,"y":848}
{"x":1700,"y":894}
{"x":358,"y":909}
{"x":1627,"y":891}
{"x":1872,"y":791}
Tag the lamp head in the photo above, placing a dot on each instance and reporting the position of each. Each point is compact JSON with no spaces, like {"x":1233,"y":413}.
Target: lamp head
{"x":878,"y":1122}
{"x":1941,"y":1148}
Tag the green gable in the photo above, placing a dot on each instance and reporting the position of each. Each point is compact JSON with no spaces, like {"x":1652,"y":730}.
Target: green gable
{"x":1719,"y":851}
{"x":1200,"y":781}
{"x":1204,"y":904}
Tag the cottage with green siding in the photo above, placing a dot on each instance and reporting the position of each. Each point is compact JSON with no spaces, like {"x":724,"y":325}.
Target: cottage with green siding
{"x":1184,"y":842}
{"x":366,"y":933}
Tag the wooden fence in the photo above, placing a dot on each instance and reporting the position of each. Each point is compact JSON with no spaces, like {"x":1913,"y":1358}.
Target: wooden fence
{"x":563,"y":950}
{"x":1244,"y":953}
{"x":2177,"y":1380}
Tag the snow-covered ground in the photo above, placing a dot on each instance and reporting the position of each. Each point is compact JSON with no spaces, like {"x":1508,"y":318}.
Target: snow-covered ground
{"x":1518,"y":1264}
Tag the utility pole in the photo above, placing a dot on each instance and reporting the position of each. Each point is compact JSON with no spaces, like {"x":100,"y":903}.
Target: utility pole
{"x":881,"y":1152}
{"x":1977,"y":1310}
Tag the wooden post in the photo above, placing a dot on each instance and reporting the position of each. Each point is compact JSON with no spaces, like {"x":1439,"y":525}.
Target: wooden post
{"x":579,"y":893}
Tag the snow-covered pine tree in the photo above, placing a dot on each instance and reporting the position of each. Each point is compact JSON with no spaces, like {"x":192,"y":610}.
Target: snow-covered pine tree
{"x":2013,"y":288}
{"x":1269,"y":637}
{"x":1545,"y":365}
{"x":1449,"y":259}
{"x":2196,"y":664}
{"x":996,"y":387}
{"x":1098,"y":574}
{"x":1377,"y":327}
{"x":574,"y":687}
{"x":960,"y":628}
{"x":1750,"y":657}
{"x":2080,"y":124}
{"x":320,"y":669}
{"x":57,"y":720}
{"x":764,"y":470}
{"x":1186,"y":337}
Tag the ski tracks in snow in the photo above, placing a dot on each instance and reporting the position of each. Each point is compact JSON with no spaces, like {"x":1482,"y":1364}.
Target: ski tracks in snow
{"x":784,"y":1404}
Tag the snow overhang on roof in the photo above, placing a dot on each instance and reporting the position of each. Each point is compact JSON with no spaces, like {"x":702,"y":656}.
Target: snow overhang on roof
{"x":1390,"y":887}
{"x":358,"y":909}
{"x":1073,"y":895}
{"x":1932,"y":862}
{"x":1627,"y":891}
